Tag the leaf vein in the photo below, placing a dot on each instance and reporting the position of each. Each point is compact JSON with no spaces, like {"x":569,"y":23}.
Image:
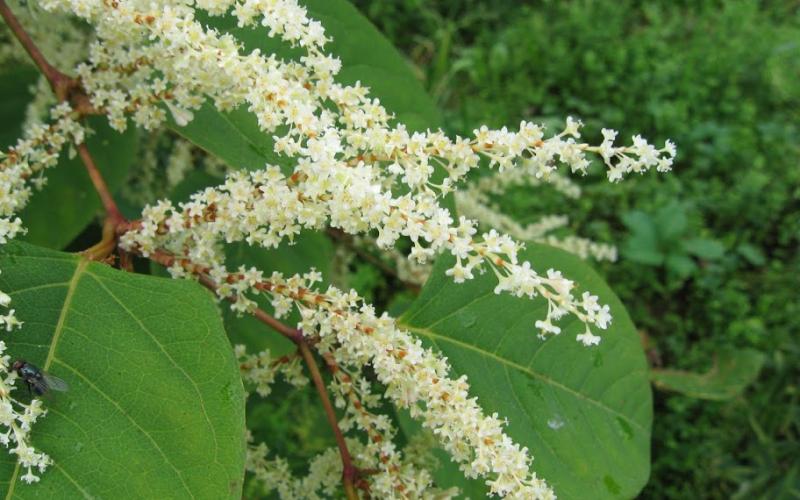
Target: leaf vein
{"x":529,"y":371}
{"x":122,"y":412}
{"x":170,"y":358}
{"x":73,"y":282}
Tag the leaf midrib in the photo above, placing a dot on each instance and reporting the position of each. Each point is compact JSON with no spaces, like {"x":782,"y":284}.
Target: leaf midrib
{"x":506,"y":362}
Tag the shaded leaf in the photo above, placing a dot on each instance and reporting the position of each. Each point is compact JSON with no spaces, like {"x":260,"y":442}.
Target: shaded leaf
{"x":731,"y":373}
{"x":671,"y":222}
{"x":681,"y":265}
{"x":155,"y":407}
{"x":752,"y":254}
{"x":704,"y":248}
{"x":68,"y":203}
{"x":642,"y":245}
{"x":14,"y":97}
{"x":639,"y":222}
{"x":585,"y":413}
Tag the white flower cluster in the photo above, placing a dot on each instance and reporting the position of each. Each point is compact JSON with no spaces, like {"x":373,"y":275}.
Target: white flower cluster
{"x":323,"y":478}
{"x":179,"y":162}
{"x":322,"y":481}
{"x":393,"y":474}
{"x":417,"y":379}
{"x":385,"y":476}
{"x":21,"y":168}
{"x":525,"y":175}
{"x":25,"y":162}
{"x":347,"y":153}
{"x":259,"y":370}
{"x":18,"y":419}
{"x":637,"y":158}
{"x":264,"y":207}
{"x":8,"y":321}
{"x":349,"y":334}
{"x":475,"y":201}
{"x":583,"y":247}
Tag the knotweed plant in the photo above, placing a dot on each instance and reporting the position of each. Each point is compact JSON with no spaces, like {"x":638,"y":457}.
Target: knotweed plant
{"x":348,"y":168}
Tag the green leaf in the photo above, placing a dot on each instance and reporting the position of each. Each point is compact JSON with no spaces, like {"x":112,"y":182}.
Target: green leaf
{"x":732,"y":371}
{"x":68,"y":203}
{"x":752,"y":254}
{"x":671,"y":222}
{"x":155,"y":407}
{"x":704,"y":248}
{"x":585,"y":413}
{"x":681,"y":265}
{"x":635,"y":251}
{"x":15,"y":95}
{"x":233,"y":136}
{"x":642,"y":244}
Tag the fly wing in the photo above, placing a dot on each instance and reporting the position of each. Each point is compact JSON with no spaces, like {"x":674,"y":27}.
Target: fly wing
{"x":54,"y":383}
{"x":38,"y":386}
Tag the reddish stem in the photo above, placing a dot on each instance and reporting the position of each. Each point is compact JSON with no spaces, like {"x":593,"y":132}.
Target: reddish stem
{"x":349,"y":471}
{"x":64,"y":87}
{"x":112,"y":212}
{"x":52,"y":74}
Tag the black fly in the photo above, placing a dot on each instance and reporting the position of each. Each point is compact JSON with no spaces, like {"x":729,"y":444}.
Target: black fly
{"x":39,"y":382}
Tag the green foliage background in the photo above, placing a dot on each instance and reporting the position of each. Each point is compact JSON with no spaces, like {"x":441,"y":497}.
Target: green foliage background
{"x":709,"y":252}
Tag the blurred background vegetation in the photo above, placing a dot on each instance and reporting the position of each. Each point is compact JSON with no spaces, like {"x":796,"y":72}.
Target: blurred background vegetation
{"x":709,"y":254}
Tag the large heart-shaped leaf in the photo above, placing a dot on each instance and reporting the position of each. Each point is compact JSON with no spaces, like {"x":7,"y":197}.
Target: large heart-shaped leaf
{"x":155,"y":407}
{"x":585,"y":413}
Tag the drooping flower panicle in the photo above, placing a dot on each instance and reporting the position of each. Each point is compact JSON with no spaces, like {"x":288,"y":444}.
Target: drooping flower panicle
{"x":345,"y":154}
